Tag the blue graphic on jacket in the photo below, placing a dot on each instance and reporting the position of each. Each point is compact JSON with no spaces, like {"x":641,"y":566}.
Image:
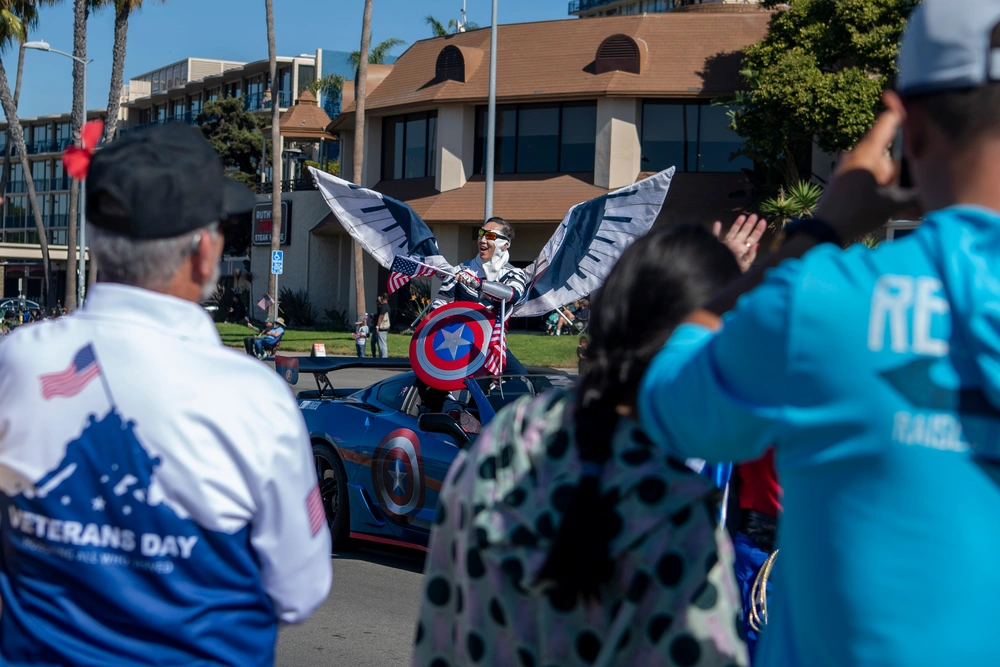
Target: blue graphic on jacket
{"x":94,"y":571}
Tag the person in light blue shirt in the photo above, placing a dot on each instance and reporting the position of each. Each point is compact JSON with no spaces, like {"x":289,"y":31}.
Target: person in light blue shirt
{"x":876,"y":376}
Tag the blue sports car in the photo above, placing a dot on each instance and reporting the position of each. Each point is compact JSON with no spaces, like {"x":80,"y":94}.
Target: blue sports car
{"x":382,"y":452}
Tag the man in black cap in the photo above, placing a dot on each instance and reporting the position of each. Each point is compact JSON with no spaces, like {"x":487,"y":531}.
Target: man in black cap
{"x":160,"y":519}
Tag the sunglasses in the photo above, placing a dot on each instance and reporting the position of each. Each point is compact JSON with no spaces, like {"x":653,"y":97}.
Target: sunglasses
{"x":491,"y":235}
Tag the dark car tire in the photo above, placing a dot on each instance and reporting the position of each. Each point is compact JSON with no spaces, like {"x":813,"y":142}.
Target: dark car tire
{"x":333,"y":488}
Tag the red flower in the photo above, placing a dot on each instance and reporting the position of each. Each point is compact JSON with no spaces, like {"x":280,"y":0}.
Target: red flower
{"x":76,"y":159}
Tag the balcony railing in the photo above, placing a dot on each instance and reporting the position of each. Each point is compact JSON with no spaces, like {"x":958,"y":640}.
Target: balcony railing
{"x":41,"y":185}
{"x":57,"y":146}
{"x":51,"y":221}
{"x":577,"y":6}
{"x":297,"y":185}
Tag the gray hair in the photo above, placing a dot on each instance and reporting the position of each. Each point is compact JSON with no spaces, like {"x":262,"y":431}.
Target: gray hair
{"x":150,"y":264}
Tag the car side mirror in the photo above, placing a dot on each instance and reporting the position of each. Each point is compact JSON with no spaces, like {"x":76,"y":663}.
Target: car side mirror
{"x":434,"y":422}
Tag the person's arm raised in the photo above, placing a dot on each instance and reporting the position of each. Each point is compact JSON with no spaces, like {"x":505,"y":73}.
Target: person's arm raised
{"x":859,"y":200}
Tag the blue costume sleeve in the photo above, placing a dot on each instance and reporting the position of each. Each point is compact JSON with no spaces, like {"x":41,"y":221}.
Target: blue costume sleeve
{"x":721,"y":396}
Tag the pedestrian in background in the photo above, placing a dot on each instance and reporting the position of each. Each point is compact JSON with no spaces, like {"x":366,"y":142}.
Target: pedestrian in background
{"x":382,"y":324}
{"x":151,"y":514}
{"x":361,"y":335}
{"x":875,"y":376}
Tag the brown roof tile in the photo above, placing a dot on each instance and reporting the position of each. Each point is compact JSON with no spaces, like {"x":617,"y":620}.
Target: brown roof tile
{"x":690,"y":54}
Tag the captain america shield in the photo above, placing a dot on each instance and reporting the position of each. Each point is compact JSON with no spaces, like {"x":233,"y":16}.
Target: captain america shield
{"x":397,"y":474}
{"x":451,"y":344}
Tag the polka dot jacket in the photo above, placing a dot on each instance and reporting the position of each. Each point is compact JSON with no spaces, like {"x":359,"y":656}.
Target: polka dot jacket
{"x":500,"y":509}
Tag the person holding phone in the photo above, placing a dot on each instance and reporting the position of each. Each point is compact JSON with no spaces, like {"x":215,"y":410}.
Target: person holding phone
{"x":875,"y":375}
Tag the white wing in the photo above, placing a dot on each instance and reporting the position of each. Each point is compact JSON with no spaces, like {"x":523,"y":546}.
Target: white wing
{"x":589,"y":241}
{"x":383,"y":226}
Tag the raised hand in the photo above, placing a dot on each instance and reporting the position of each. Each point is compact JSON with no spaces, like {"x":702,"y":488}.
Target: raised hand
{"x":743,"y":238}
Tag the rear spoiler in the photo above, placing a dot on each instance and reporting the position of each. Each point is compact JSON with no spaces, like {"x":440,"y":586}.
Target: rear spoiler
{"x":290,"y":367}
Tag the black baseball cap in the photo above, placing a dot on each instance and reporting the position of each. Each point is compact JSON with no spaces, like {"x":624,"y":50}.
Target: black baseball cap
{"x":161,"y":182}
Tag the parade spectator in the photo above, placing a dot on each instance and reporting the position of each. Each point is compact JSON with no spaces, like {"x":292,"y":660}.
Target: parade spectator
{"x":581,"y":356}
{"x":268,"y":339}
{"x":382,"y":325}
{"x":361,"y":335}
{"x":874,"y":375}
{"x":583,"y":315}
{"x":564,"y":537}
{"x":158,"y":515}
{"x":237,"y":311}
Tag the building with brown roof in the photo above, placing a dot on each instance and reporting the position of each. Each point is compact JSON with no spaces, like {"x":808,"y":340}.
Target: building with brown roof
{"x":584,"y":106}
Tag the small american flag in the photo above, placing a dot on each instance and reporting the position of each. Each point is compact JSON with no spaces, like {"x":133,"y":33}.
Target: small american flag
{"x":265,"y":302}
{"x":317,"y":514}
{"x":498,"y":346}
{"x":404,"y":269}
{"x":74,"y":379}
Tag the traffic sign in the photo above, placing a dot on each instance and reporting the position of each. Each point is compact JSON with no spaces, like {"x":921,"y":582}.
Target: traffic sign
{"x":277,"y":262}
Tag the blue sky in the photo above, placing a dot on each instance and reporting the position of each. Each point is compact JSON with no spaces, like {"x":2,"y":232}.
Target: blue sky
{"x":229,"y":29}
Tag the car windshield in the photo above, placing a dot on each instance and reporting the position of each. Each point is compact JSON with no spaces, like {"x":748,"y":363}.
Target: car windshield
{"x":501,"y":393}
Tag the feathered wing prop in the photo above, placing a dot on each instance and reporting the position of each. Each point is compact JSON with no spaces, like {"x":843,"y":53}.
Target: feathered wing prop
{"x":589,"y":241}
{"x":383,"y":226}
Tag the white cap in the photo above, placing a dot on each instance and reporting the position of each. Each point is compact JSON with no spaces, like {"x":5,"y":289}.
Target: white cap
{"x":950,"y":45}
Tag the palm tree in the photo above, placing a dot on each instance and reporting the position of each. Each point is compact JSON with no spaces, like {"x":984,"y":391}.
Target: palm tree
{"x":329,"y":86}
{"x":123,"y":10}
{"x":81,"y":11}
{"x":272,"y":55}
{"x":9,"y":143}
{"x":438,"y":29}
{"x":378,"y":54}
{"x":360,"y":90}
{"x":16,"y":18}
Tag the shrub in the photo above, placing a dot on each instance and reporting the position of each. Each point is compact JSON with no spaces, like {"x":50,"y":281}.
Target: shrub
{"x":339,"y":319}
{"x":297,"y":309}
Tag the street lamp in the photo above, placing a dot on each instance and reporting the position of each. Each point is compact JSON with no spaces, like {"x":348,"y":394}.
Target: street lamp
{"x":491,"y":117}
{"x":81,"y":287}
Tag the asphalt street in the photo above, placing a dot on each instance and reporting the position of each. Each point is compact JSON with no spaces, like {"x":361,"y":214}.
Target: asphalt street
{"x":370,"y":615}
{"x":369,"y":618}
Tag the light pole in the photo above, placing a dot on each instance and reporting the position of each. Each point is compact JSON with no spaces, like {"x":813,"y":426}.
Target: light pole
{"x":491,"y":117}
{"x":81,"y":281}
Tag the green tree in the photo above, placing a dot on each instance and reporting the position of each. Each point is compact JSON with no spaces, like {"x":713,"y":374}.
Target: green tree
{"x":378,"y":54}
{"x":16,"y":18}
{"x":817,"y":77}
{"x":236,"y":135}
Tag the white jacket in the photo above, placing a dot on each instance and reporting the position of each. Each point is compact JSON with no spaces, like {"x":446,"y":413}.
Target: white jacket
{"x":158,"y":496}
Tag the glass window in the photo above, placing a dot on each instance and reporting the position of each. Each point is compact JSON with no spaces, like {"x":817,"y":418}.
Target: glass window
{"x":161,"y":112}
{"x":416,"y":148}
{"x":662,"y":136}
{"x":16,"y":172}
{"x":307,"y":73}
{"x":408,"y":146}
{"x":392,"y":393}
{"x":577,"y":141}
{"x":213,"y":94}
{"x":691,"y":137}
{"x":432,"y":143}
{"x":179,"y":107}
{"x":60,"y":210}
{"x":538,"y":140}
{"x":62,"y":132}
{"x":41,"y":171}
{"x":17,"y":212}
{"x":717,"y":142}
{"x":196,"y":105}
